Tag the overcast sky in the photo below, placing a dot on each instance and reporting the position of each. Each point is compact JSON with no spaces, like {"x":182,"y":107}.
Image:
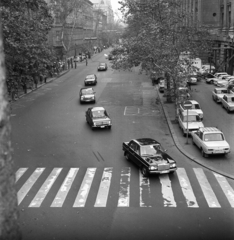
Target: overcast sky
{"x":115,"y":6}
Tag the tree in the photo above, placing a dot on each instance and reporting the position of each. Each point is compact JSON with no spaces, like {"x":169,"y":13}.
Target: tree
{"x":25,"y":27}
{"x":157,"y":32}
{"x":9,"y":215}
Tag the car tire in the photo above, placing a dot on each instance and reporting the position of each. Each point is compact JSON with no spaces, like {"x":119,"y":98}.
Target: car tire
{"x":109,"y":127}
{"x":144,"y":172}
{"x":184,"y":133}
{"x":211,"y":81}
{"x":228,"y":111}
{"x":127,"y":156}
{"x":203,"y":153}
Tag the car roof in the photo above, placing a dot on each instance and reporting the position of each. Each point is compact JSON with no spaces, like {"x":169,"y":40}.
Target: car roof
{"x":220,"y":88}
{"x":90,"y":75}
{"x":146,"y":141}
{"x":190,"y":102}
{"x":86,"y":89}
{"x":190,"y":113}
{"x":97,"y":109}
{"x":209,"y":129}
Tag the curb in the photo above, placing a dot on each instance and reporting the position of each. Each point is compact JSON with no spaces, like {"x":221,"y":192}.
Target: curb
{"x":48,"y":81}
{"x":180,"y":148}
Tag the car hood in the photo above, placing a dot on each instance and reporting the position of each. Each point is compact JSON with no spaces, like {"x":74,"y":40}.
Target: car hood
{"x":159,"y":159}
{"x":217,"y":144}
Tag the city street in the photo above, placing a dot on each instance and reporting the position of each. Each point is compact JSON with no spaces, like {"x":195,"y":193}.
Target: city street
{"x":74,"y":183}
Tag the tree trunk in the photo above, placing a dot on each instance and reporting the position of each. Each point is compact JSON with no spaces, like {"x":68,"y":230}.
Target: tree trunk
{"x":9,"y":215}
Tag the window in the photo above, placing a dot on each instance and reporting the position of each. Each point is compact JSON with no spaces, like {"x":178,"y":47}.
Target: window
{"x":214,"y":137}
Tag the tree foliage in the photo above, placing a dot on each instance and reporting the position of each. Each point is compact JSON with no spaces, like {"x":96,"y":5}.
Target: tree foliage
{"x":25,"y":27}
{"x":157,"y":34}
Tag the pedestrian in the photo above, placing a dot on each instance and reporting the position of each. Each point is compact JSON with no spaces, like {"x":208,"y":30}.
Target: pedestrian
{"x":86,"y":60}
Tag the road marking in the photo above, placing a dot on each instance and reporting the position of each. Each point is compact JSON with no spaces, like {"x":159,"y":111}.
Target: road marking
{"x":124,"y":193}
{"x":227,"y":189}
{"x":41,"y":194}
{"x":20,"y":173}
{"x":145,"y":192}
{"x":64,"y":189}
{"x":186,"y":188}
{"x":28,"y":184}
{"x":103,"y":191}
{"x":210,"y":197}
{"x":168,"y":197}
{"x":85,"y":187}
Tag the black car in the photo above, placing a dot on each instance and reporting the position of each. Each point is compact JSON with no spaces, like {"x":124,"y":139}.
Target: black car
{"x":87,"y":95}
{"x":97,"y":117}
{"x":149,"y":155}
{"x":102,"y":67}
{"x":90,"y":80}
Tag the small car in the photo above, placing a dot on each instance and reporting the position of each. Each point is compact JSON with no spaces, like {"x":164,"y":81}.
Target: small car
{"x":149,"y":155}
{"x":191,"y":121}
{"x":192,"y":105}
{"x":87,"y":95}
{"x":97,"y":117}
{"x":218,"y":93}
{"x":102,"y":67}
{"x":90,"y":80}
{"x":161,"y":86}
{"x":227,"y":102}
{"x":210,"y":140}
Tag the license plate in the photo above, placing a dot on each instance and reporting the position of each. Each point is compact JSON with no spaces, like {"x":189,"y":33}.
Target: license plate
{"x":102,"y":126}
{"x":164,"y":172}
{"x":218,"y":151}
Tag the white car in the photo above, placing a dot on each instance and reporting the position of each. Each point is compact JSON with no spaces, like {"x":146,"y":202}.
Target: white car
{"x":218,"y":74}
{"x":227,"y":102}
{"x":218,"y":93}
{"x":192,"y":105}
{"x":190,"y":122}
{"x":225,"y":82}
{"x":220,"y":79}
{"x":210,"y":141}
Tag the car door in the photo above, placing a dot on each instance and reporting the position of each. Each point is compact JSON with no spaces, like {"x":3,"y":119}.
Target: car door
{"x":88,"y":116}
{"x":132,"y":151}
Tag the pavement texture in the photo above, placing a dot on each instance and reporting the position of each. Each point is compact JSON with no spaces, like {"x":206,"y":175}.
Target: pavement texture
{"x":187,"y":148}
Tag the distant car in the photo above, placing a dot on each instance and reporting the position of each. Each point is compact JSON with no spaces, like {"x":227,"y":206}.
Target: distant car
{"x":192,"y":80}
{"x":161,"y":86}
{"x":110,"y":57}
{"x":225,"y":81}
{"x":220,"y":79}
{"x":97,"y":117}
{"x":192,"y":105}
{"x":149,"y":155}
{"x":210,"y":141}
{"x":191,"y":121}
{"x":87,"y":95}
{"x":102,"y":67}
{"x":227,"y":102}
{"x":90,"y":80}
{"x":218,"y":93}
{"x":209,"y":78}
{"x":218,"y":74}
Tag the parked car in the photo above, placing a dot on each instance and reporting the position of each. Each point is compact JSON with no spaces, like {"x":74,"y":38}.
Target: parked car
{"x":192,"y":80}
{"x":218,"y":93}
{"x":210,"y":141}
{"x":192,"y":105}
{"x":87,"y":95}
{"x":90,"y":80}
{"x":97,"y":117}
{"x":220,"y":79}
{"x":149,"y":155}
{"x":227,"y":102}
{"x":161,"y":86}
{"x":225,"y":81}
{"x":210,"y":78}
{"x":102,"y":67}
{"x":191,"y":121}
{"x":218,"y":74}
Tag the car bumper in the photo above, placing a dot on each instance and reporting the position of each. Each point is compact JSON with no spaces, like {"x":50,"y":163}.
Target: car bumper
{"x":216,"y":152}
{"x":162,"y":171}
{"x":101,"y":69}
{"x":87,"y":100}
{"x":102,"y":126}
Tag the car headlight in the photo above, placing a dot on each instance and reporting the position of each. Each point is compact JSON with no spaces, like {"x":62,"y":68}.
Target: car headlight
{"x":82,"y":97}
{"x":172,"y":165}
{"x":153,"y":168}
{"x":94,"y":124}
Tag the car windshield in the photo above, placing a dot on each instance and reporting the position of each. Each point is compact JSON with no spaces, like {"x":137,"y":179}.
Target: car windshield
{"x":102,"y":64}
{"x":150,"y":150}
{"x":89,"y":76}
{"x":98,"y":113}
{"x":190,"y":118}
{"x":87,"y":91}
{"x":222,"y":91}
{"x":214,"y":137}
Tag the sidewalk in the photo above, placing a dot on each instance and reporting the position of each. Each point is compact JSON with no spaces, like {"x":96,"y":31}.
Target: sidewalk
{"x":189,"y":150}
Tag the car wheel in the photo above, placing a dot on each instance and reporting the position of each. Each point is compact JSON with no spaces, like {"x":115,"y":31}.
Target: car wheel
{"x":144,"y":172}
{"x":109,"y":127}
{"x":211,"y":81}
{"x":94,"y":101}
{"x":228,"y":111}
{"x":172,"y":172}
{"x":184,"y":133}
{"x":127,"y":156}
{"x":204,"y":154}
{"x":222,"y":105}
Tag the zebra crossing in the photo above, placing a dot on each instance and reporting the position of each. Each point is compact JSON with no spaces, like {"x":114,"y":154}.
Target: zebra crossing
{"x":124,"y":185}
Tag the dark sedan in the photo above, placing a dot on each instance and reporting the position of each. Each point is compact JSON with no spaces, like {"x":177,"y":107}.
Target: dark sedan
{"x":102,"y":67}
{"x":97,"y":117}
{"x":87,"y":95}
{"x":149,"y":155}
{"x":90,"y":80}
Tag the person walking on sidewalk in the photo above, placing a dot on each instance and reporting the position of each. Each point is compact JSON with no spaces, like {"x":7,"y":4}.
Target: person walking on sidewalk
{"x":86,"y":60}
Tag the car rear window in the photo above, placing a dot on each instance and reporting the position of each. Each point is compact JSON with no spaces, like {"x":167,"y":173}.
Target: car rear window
{"x":98,"y":113}
{"x":214,"y":137}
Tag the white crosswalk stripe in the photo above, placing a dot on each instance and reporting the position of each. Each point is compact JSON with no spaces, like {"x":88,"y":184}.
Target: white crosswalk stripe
{"x":124,"y":193}
{"x":64,"y":189}
{"x":211,"y":199}
{"x":104,"y":188}
{"x":186,"y":188}
{"x":40,"y":196}
{"x":85,"y":187}
{"x":145,"y":186}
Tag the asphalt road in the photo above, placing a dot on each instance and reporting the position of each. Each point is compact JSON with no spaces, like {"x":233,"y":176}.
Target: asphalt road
{"x":74,"y":183}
